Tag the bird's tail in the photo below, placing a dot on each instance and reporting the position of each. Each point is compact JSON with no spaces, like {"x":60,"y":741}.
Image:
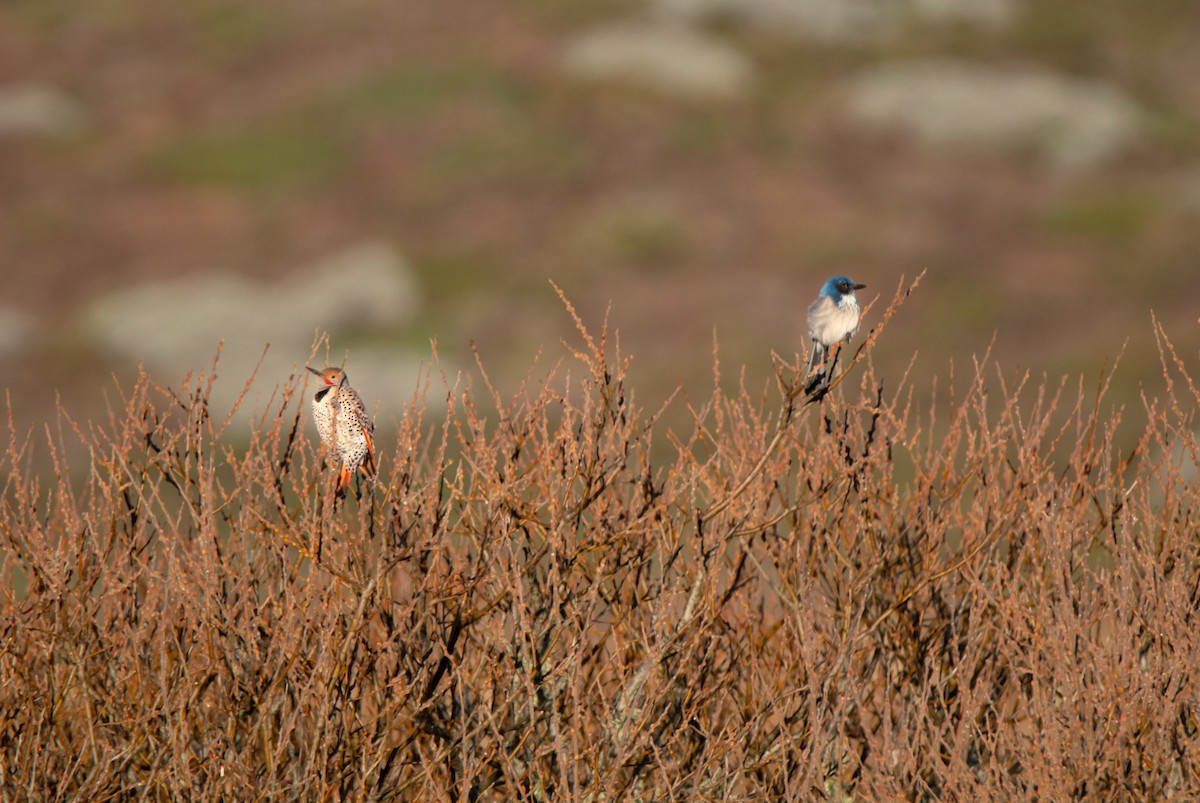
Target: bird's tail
{"x":345,"y":475}
{"x":341,"y":481}
{"x":815,"y":374}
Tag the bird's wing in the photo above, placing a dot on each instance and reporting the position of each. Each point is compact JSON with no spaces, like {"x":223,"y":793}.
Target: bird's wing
{"x":356,"y":408}
{"x":817,"y":312}
{"x":368,"y":465}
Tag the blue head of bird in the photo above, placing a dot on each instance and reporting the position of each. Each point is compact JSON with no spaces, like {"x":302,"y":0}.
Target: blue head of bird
{"x":838,"y":287}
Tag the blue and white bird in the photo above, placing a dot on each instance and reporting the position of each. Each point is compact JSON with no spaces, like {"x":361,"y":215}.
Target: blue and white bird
{"x":832,"y":319}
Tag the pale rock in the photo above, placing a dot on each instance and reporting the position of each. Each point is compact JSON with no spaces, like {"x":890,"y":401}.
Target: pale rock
{"x":1070,"y":123}
{"x":17,"y":330}
{"x":843,"y":22}
{"x":671,"y":59}
{"x":175,"y":326}
{"x":834,"y":21}
{"x":34,"y":110}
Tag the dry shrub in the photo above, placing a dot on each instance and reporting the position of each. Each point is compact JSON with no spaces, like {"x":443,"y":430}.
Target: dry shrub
{"x":848,"y":599}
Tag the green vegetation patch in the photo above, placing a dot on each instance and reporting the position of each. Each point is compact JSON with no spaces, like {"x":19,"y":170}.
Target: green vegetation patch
{"x":457,"y":272}
{"x":253,"y":159}
{"x":236,"y":29}
{"x":415,"y":90}
{"x":506,"y":153}
{"x":1111,"y":218}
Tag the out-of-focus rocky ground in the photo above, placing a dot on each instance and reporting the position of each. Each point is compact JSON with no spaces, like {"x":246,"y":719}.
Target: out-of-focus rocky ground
{"x":175,"y":175}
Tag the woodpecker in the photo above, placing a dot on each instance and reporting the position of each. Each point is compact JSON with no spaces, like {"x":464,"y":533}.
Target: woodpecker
{"x":345,"y":429}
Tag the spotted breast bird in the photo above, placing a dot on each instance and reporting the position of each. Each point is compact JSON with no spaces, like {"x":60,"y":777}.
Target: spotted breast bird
{"x":345,"y":429}
{"x":832,"y":319}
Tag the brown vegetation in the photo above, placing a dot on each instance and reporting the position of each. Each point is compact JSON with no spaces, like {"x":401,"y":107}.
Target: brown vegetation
{"x":852,"y":599}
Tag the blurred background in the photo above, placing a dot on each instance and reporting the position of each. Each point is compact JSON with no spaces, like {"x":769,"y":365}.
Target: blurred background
{"x":172,"y":174}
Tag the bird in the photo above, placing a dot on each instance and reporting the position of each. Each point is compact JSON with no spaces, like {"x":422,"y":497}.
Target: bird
{"x":832,"y":319}
{"x":345,"y":428}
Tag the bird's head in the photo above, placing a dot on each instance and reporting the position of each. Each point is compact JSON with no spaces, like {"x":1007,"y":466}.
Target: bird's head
{"x":330,"y":376}
{"x":839,"y":286}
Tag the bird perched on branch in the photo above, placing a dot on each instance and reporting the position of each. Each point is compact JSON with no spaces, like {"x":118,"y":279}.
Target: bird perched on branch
{"x":832,"y":319}
{"x":345,"y":429}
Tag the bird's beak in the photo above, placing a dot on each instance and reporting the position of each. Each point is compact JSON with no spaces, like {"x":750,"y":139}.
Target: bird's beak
{"x":856,"y":287}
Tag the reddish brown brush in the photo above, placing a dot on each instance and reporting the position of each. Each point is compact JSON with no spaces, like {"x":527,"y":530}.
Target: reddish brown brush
{"x":852,"y":601}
